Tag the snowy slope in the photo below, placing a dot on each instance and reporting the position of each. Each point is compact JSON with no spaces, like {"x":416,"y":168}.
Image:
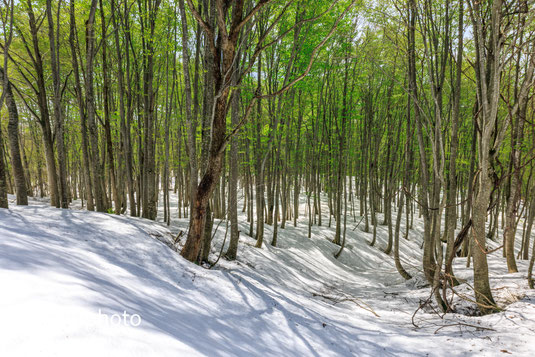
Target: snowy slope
{"x":62,"y":270}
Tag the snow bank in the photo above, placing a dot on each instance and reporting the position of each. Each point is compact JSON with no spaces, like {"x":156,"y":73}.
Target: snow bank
{"x":71,"y":280}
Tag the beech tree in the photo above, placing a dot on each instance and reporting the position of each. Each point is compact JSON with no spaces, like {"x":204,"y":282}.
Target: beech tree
{"x":258,"y":115}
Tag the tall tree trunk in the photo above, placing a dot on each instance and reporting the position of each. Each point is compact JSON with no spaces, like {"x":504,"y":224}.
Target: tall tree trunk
{"x":259,"y":167}
{"x":518,"y":118}
{"x":126,"y":149}
{"x":82,"y":111}
{"x":107,"y":124}
{"x":13,"y":136}
{"x":44,"y":117}
{"x":451,"y":209}
{"x":429,"y":247}
{"x":488,"y":46}
{"x":58,"y":110}
{"x":149,"y":11}
{"x":3,"y":181}
{"x":232,"y":250}
{"x":191,"y":125}
{"x":341,"y":175}
{"x":97,"y":174}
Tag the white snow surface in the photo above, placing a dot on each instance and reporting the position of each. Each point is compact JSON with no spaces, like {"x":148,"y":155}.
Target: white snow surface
{"x":61,"y":271}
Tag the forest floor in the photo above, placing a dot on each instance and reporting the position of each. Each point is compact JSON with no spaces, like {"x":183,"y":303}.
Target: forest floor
{"x":68,"y":277}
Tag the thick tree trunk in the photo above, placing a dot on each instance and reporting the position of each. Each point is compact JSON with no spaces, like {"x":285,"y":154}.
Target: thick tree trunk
{"x":478,"y":244}
{"x":207,"y":184}
{"x":13,"y":136}
{"x":489,"y":43}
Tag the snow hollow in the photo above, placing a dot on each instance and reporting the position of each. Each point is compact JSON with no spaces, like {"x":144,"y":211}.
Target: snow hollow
{"x":71,"y":280}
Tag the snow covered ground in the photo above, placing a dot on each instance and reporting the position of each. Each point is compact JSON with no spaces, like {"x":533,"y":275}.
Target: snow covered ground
{"x":74,"y":282}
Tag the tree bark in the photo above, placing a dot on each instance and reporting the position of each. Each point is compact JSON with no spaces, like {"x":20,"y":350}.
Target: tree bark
{"x":13,"y":136}
{"x":58,"y":110}
{"x":82,"y":111}
{"x":97,"y":174}
{"x":488,"y":46}
{"x":232,"y":250}
{"x":451,"y":209}
{"x":107,"y":123}
{"x":44,"y":116}
{"x":3,"y":182}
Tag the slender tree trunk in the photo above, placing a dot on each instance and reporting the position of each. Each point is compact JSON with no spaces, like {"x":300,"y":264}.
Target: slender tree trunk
{"x":397,"y":259}
{"x":82,"y":111}
{"x":107,"y":124}
{"x":3,"y":181}
{"x":530,"y":219}
{"x":97,"y":174}
{"x":191,"y":124}
{"x":451,"y":210}
{"x":428,"y":255}
{"x":530,"y":268}
{"x":232,"y":250}
{"x":149,"y":11}
{"x":58,"y":110}
{"x":126,"y":150}
{"x":44,"y":117}
{"x":259,"y":187}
